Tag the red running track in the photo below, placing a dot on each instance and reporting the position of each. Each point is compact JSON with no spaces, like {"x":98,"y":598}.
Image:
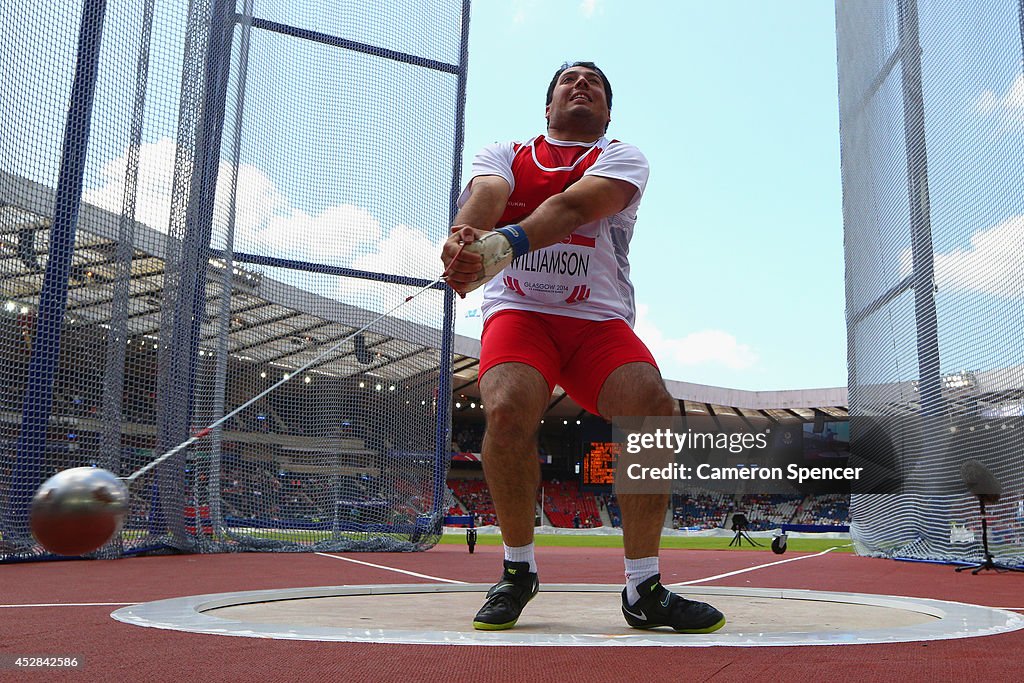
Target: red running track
{"x":113,"y":651}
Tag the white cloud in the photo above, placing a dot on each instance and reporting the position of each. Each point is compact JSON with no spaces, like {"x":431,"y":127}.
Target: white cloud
{"x":703,"y":348}
{"x":256,"y":198}
{"x":1009,"y":106}
{"x":588,"y":8}
{"x":405,"y":251}
{"x":331,"y":236}
{"x":993,"y":264}
{"x":153,"y":193}
{"x":266,"y":223}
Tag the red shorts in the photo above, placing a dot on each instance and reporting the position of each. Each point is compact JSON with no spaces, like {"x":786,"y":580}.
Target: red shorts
{"x":576,"y":354}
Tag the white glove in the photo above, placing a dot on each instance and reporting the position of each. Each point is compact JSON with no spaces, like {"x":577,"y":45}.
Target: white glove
{"x":497,"y":249}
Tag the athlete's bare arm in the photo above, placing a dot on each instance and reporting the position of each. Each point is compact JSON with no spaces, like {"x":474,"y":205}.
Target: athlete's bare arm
{"x":591,"y":198}
{"x":488,"y":195}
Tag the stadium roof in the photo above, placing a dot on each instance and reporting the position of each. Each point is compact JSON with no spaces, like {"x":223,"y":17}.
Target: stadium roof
{"x":270,"y":321}
{"x":276,"y":323}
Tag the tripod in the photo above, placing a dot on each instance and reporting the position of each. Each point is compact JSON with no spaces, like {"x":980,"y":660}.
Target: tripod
{"x":989,"y":563}
{"x":739,"y":525}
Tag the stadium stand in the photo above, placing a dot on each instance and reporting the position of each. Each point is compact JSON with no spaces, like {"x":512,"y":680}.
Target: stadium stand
{"x":700,"y":510}
{"x":468,"y":437}
{"x":766,"y":512}
{"x":475,"y":497}
{"x":827,"y":509}
{"x":568,"y":507}
{"x":611,"y":504}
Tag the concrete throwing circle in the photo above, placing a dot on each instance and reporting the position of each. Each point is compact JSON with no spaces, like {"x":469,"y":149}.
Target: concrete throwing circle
{"x":565,"y":615}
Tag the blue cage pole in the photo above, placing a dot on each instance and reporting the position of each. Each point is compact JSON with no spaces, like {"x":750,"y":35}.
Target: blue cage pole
{"x":927,"y":328}
{"x":442,"y":444}
{"x":37,"y":404}
{"x":930,"y":444}
{"x":177,"y":390}
{"x":117,"y":335}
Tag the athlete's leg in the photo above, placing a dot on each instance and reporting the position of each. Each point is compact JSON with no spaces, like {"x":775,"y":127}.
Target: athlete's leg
{"x":637,"y":389}
{"x":515,"y":396}
{"x":518,"y":369}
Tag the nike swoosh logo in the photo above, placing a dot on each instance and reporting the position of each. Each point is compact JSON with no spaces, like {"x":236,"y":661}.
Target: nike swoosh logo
{"x":668,"y":597}
{"x":634,"y":614}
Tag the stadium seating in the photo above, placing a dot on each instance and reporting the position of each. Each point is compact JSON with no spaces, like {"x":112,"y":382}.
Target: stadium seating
{"x":474,"y":495}
{"x":832,"y":509}
{"x":768,"y":511}
{"x":564,"y":503}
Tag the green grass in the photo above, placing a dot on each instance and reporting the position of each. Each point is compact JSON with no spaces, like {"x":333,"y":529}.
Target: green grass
{"x":813,"y":545}
{"x":558,"y":540}
{"x":687,"y":542}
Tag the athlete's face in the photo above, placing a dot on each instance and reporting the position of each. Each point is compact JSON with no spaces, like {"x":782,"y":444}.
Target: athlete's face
{"x":578,"y":100}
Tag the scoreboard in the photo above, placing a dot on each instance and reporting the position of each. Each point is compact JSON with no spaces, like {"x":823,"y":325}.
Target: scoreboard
{"x":599,"y":463}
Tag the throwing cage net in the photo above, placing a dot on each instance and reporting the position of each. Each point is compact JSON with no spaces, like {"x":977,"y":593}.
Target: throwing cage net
{"x":932,"y":121}
{"x":197,"y":200}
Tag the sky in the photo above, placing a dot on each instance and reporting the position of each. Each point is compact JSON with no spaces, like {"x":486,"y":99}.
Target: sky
{"x":737,"y":256}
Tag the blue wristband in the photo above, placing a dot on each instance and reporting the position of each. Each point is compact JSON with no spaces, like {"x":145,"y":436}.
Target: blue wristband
{"x":516,"y":236}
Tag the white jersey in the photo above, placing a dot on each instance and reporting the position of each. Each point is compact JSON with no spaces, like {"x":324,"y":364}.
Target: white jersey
{"x":587,"y":274}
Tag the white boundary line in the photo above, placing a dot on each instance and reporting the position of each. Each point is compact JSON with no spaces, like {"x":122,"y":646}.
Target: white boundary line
{"x":390,"y":569}
{"x":196,"y":614}
{"x":755,"y":568}
{"x":72,"y":604}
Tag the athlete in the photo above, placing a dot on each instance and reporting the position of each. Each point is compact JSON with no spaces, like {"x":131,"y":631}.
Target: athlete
{"x":544,"y":226}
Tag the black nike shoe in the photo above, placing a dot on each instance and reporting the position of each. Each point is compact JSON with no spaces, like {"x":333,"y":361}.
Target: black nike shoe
{"x":507,"y":598}
{"x":658,"y":606}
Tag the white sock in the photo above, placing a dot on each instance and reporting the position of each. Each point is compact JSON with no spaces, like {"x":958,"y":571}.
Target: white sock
{"x":522,"y":553}
{"x":638,"y":571}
